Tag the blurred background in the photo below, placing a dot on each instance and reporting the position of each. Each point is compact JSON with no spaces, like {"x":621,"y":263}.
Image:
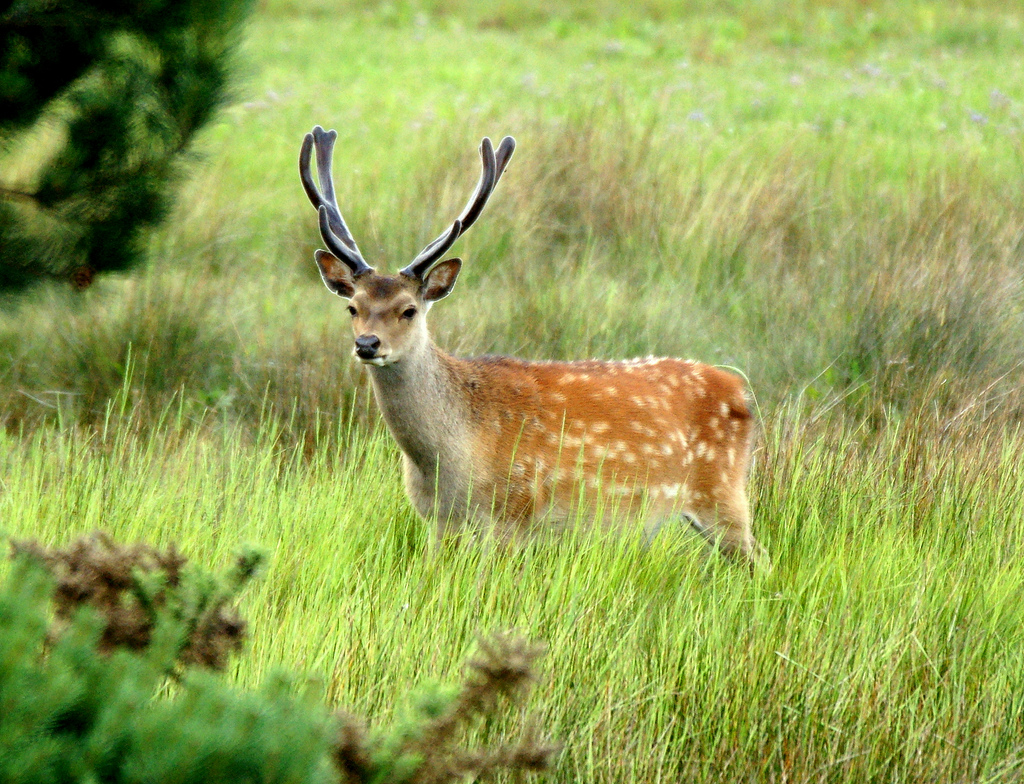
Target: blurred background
{"x":825,"y":196}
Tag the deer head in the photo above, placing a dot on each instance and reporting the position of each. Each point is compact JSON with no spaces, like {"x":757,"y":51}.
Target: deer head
{"x":388,"y":311}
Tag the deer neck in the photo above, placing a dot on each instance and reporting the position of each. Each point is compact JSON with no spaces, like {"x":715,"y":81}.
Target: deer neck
{"x":422,"y":406}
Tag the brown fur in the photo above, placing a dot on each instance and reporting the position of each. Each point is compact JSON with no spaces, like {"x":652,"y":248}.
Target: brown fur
{"x":663,"y":436}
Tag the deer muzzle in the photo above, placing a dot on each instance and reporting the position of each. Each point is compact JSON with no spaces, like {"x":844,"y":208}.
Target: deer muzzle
{"x":367,"y":346}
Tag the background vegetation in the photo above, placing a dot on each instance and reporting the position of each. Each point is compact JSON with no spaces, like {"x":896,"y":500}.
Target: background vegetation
{"x":98,"y":104}
{"x":827,"y":196}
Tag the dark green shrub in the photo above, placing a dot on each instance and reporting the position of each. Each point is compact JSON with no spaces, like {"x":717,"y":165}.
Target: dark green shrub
{"x":103,"y":99}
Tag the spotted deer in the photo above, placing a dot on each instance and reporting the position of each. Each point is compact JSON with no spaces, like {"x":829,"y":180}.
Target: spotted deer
{"x":507,"y":445}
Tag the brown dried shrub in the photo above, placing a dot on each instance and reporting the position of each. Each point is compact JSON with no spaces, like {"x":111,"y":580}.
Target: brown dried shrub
{"x":504,"y":668}
{"x":128,"y":584}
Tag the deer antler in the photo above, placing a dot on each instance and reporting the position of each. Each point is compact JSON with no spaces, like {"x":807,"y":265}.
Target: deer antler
{"x":494,"y":163}
{"x":332,"y":226}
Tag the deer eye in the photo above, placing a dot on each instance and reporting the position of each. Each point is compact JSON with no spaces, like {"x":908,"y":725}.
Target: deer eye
{"x":408,"y":313}
{"x":351,"y":311}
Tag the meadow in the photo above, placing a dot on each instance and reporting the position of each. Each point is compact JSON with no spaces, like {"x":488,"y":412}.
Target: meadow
{"x":828,"y":197}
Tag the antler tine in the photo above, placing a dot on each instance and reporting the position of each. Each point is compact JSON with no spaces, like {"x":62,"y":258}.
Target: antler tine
{"x":493,"y":166}
{"x":498,"y":161}
{"x":437,"y":247}
{"x":502,"y":156}
{"x":332,"y":226}
{"x":324,"y":153}
{"x":318,"y":138}
{"x":335,"y":245}
{"x":476,"y":202}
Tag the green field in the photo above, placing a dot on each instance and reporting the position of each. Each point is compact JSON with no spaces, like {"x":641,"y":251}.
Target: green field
{"x":827,"y":196}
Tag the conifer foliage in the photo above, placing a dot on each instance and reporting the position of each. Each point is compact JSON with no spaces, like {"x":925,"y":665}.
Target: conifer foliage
{"x":108,"y":659}
{"x":98,"y":103}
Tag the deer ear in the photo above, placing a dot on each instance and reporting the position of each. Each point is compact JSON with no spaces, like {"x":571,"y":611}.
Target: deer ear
{"x":440,"y":281}
{"x":336,"y":274}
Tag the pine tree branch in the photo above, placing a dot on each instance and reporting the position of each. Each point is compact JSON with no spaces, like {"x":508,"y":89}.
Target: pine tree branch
{"x":16,"y":195}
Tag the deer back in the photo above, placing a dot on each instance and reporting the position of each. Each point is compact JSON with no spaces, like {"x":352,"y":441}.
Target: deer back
{"x":546,"y":436}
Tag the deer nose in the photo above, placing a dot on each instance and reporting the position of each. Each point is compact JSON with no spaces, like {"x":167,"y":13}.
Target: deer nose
{"x":366,"y":346}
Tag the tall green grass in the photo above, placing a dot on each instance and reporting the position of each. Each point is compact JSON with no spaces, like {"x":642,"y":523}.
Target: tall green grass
{"x":886,"y":644}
